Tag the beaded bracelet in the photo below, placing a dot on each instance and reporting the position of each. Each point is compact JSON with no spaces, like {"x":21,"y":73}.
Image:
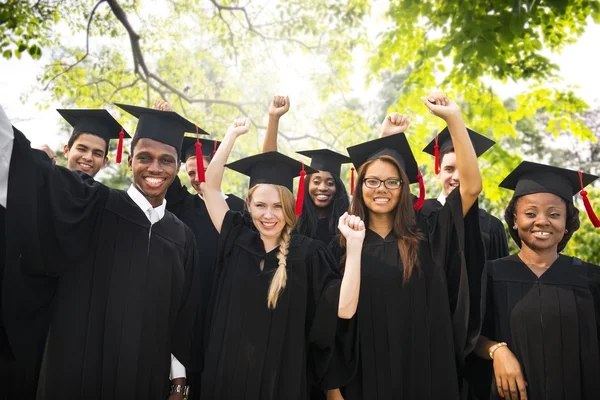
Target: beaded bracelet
{"x":496,"y":347}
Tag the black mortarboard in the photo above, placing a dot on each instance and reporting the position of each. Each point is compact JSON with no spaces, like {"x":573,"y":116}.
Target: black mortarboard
{"x":166,"y":127}
{"x":530,"y":178}
{"x":443,"y":140}
{"x":188,"y":148}
{"x":326,"y":160}
{"x":97,"y":122}
{"x":395,"y":146}
{"x":274,"y":168}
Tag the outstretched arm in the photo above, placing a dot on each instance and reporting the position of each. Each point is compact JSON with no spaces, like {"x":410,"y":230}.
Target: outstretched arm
{"x":277,"y":109}
{"x":466,"y":159}
{"x":211,"y":189}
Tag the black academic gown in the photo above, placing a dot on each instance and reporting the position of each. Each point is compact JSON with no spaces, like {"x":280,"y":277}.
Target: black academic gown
{"x":550,"y":323}
{"x":492,"y":230}
{"x":27,"y":318}
{"x":411,"y":334}
{"x":323,"y":233}
{"x":476,"y":371}
{"x":122,"y":302}
{"x":191,"y":210}
{"x":256,"y":353}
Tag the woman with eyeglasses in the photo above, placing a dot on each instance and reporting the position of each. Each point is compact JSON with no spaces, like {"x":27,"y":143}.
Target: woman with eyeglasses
{"x":413,"y":310}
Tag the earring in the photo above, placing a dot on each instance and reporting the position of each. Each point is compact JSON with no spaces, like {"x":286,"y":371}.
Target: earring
{"x":515,"y":227}
{"x":566,"y":231}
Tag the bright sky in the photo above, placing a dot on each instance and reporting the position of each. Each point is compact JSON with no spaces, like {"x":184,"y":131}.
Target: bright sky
{"x":20,"y":90}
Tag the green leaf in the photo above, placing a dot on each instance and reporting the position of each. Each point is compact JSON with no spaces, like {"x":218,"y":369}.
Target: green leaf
{"x":7,"y":54}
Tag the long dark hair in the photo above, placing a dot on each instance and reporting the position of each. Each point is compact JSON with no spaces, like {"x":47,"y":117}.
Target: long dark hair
{"x":572,"y":224}
{"x":307,"y":223}
{"x":404,"y":219}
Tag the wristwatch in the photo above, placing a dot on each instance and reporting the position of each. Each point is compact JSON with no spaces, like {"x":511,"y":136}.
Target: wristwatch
{"x":183,"y":389}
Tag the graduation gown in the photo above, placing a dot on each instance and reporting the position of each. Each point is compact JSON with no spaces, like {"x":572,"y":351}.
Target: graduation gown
{"x":492,"y":230}
{"x":323,"y":233}
{"x":257,"y":353}
{"x":192,"y":211}
{"x":27,"y":298}
{"x":550,"y":323}
{"x":478,"y":372}
{"x":122,"y":301}
{"x":411,"y":334}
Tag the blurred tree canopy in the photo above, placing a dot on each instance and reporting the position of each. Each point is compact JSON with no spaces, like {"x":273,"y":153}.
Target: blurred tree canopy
{"x":215,"y":60}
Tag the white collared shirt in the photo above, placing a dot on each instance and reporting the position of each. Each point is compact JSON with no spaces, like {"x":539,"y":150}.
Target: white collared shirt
{"x":155,"y":214}
{"x":7,"y":138}
{"x":442,"y":199}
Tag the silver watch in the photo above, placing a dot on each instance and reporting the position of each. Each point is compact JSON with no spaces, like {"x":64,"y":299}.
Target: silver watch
{"x":183,"y":389}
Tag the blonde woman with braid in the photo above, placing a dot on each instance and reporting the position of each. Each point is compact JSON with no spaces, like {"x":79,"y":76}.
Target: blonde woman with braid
{"x":277,"y":297}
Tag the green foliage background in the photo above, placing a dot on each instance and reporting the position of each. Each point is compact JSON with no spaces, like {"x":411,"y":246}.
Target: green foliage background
{"x":217,"y":60}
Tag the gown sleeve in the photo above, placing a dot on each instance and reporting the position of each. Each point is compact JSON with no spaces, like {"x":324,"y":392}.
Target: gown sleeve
{"x":182,"y":341}
{"x":498,"y":240}
{"x":61,"y":209}
{"x":69,"y":208}
{"x":175,"y":196}
{"x":457,"y":247}
{"x":595,"y":289}
{"x":333,"y":351}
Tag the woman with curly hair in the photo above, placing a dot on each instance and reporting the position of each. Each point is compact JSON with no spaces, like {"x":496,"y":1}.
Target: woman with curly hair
{"x":542,"y":321}
{"x":277,"y":295}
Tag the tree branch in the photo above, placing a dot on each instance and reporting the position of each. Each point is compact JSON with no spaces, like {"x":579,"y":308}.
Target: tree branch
{"x":87,"y":46}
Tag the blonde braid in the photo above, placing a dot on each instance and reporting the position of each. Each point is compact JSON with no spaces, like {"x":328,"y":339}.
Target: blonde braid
{"x":280,"y":278}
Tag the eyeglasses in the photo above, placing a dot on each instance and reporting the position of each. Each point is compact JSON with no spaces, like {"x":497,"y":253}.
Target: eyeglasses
{"x":391,"y":184}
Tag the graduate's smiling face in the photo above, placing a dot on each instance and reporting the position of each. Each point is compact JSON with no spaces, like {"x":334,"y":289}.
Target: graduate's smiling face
{"x":448,"y":173}
{"x":87,"y":153}
{"x":191,"y":168}
{"x":541,"y":220}
{"x":381,"y":200}
{"x":154,"y":166}
{"x":321,"y":188}
{"x":266,"y":207}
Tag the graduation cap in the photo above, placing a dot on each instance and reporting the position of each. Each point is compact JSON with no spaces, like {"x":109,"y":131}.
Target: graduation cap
{"x":188,"y":148}
{"x":530,"y":178}
{"x":166,"y":127}
{"x":97,"y":122}
{"x":395,"y":146}
{"x":443,"y":141}
{"x":326,"y":160}
{"x":274,"y":168}
{"x":330,"y":161}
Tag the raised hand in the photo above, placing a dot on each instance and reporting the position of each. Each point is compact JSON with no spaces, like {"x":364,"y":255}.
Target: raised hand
{"x":162,"y":105}
{"x":279,"y":106}
{"x":46,"y":149}
{"x":352,"y":227}
{"x":510,"y":382}
{"x":440,"y":106}
{"x":239,"y":127}
{"x":394,"y":123}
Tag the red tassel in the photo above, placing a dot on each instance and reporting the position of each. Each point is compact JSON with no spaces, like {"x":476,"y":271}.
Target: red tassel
{"x":199,"y":160}
{"x":436,"y":156}
{"x":300,"y":198}
{"x":588,"y":206}
{"x":352,"y":182}
{"x":421,"y":200}
{"x":120,"y":146}
{"x":214,"y":147}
